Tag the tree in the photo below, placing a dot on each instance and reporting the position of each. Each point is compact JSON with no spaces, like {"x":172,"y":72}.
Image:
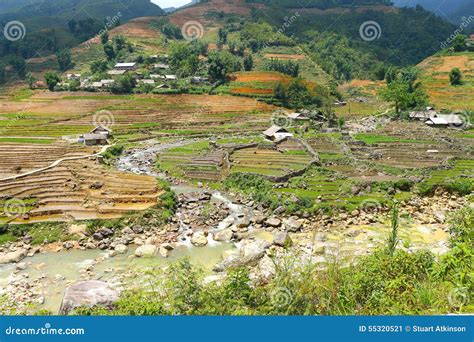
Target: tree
{"x":31,"y":80}
{"x":455,"y":77}
{"x":405,"y":91}
{"x":279,"y":92}
{"x":64,"y":59}
{"x":120,"y":42}
{"x":184,"y":58}
{"x":248,"y":63}
{"x":220,"y":64}
{"x":222,"y":37}
{"x":124,"y":85}
{"x":109,"y":51}
{"x":52,"y":79}
{"x":19,"y":65}
{"x":460,"y":43}
{"x":99,"y":66}
{"x":104,"y":37}
{"x":72,"y":25}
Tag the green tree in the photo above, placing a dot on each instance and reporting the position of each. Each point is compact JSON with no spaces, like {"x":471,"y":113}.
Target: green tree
{"x":124,"y":85}
{"x":104,"y":37}
{"x":52,"y":79}
{"x":248,"y":63}
{"x":183,"y":58}
{"x":455,"y":76}
{"x":98,"y":66}
{"x":109,"y":51}
{"x":120,"y":42}
{"x":64,"y":59}
{"x":460,"y":43}
{"x":30,"y":79}
{"x":19,"y":65}
{"x":404,"y":91}
{"x":220,"y":64}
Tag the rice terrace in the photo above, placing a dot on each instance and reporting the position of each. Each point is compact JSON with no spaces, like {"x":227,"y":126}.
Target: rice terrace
{"x":238,"y":149}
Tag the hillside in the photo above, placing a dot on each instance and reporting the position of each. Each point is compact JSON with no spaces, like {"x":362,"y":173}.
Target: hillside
{"x":51,"y":25}
{"x":435,"y":78}
{"x":453,"y":10}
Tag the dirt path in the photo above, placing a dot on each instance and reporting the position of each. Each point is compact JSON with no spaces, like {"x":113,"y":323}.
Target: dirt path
{"x":54,"y":164}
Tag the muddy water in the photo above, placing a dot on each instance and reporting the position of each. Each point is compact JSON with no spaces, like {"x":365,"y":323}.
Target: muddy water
{"x":55,"y":271}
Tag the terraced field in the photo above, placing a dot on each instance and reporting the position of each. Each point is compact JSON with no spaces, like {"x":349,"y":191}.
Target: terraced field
{"x":21,"y":158}
{"x":435,"y":78}
{"x":78,"y":190}
{"x":53,"y":115}
{"x":407,"y":145}
{"x":286,"y":158}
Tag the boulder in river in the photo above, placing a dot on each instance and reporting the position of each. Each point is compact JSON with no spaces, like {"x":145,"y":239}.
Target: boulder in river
{"x":121,"y":249}
{"x":146,"y":251}
{"x":273,"y":222}
{"x":223,"y":235}
{"x":88,"y":293}
{"x":16,"y":256}
{"x":199,"y":239}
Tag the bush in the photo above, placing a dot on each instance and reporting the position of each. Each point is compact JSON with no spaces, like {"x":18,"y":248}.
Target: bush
{"x":403,"y":184}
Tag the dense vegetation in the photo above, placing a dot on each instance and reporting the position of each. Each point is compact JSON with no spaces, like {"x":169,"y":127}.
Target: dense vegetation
{"x":334,"y":41}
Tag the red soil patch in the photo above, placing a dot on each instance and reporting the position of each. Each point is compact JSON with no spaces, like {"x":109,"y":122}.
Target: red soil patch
{"x":259,"y":76}
{"x":247,"y":90}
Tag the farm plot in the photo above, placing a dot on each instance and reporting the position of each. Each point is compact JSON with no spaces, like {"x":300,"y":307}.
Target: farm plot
{"x":407,"y":145}
{"x":195,"y":161}
{"x":269,"y":161}
{"x":24,"y":157}
{"x":78,"y":190}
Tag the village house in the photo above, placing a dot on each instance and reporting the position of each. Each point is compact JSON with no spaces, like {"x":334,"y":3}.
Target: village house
{"x":93,"y":139}
{"x":73,"y":76}
{"x":423,"y":115}
{"x":298,"y":117}
{"x":163,"y":86}
{"x":445,"y":120}
{"x":39,"y":85}
{"x":126,"y":66}
{"x":277,"y":133}
{"x":156,"y":76}
{"x":147,"y":81}
{"x":340,"y":103}
{"x":106,"y":132}
{"x":161,"y":66}
{"x":171,"y":77}
{"x":199,"y":80}
{"x":117,"y":72}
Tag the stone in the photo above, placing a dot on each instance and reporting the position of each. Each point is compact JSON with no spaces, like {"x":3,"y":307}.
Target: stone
{"x":281,"y":239}
{"x":96,"y":185}
{"x":292,"y":224}
{"x":146,"y":251}
{"x":121,"y":249}
{"x":97,"y":236}
{"x":242,"y":223}
{"x":88,"y":293}
{"x":199,"y":239}
{"x":224,"y":235}
{"x":273,"y":222}
{"x":12,"y":257}
{"x":106,"y":232}
{"x":21,"y":266}
{"x":254,"y":247}
{"x":265,"y":270}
